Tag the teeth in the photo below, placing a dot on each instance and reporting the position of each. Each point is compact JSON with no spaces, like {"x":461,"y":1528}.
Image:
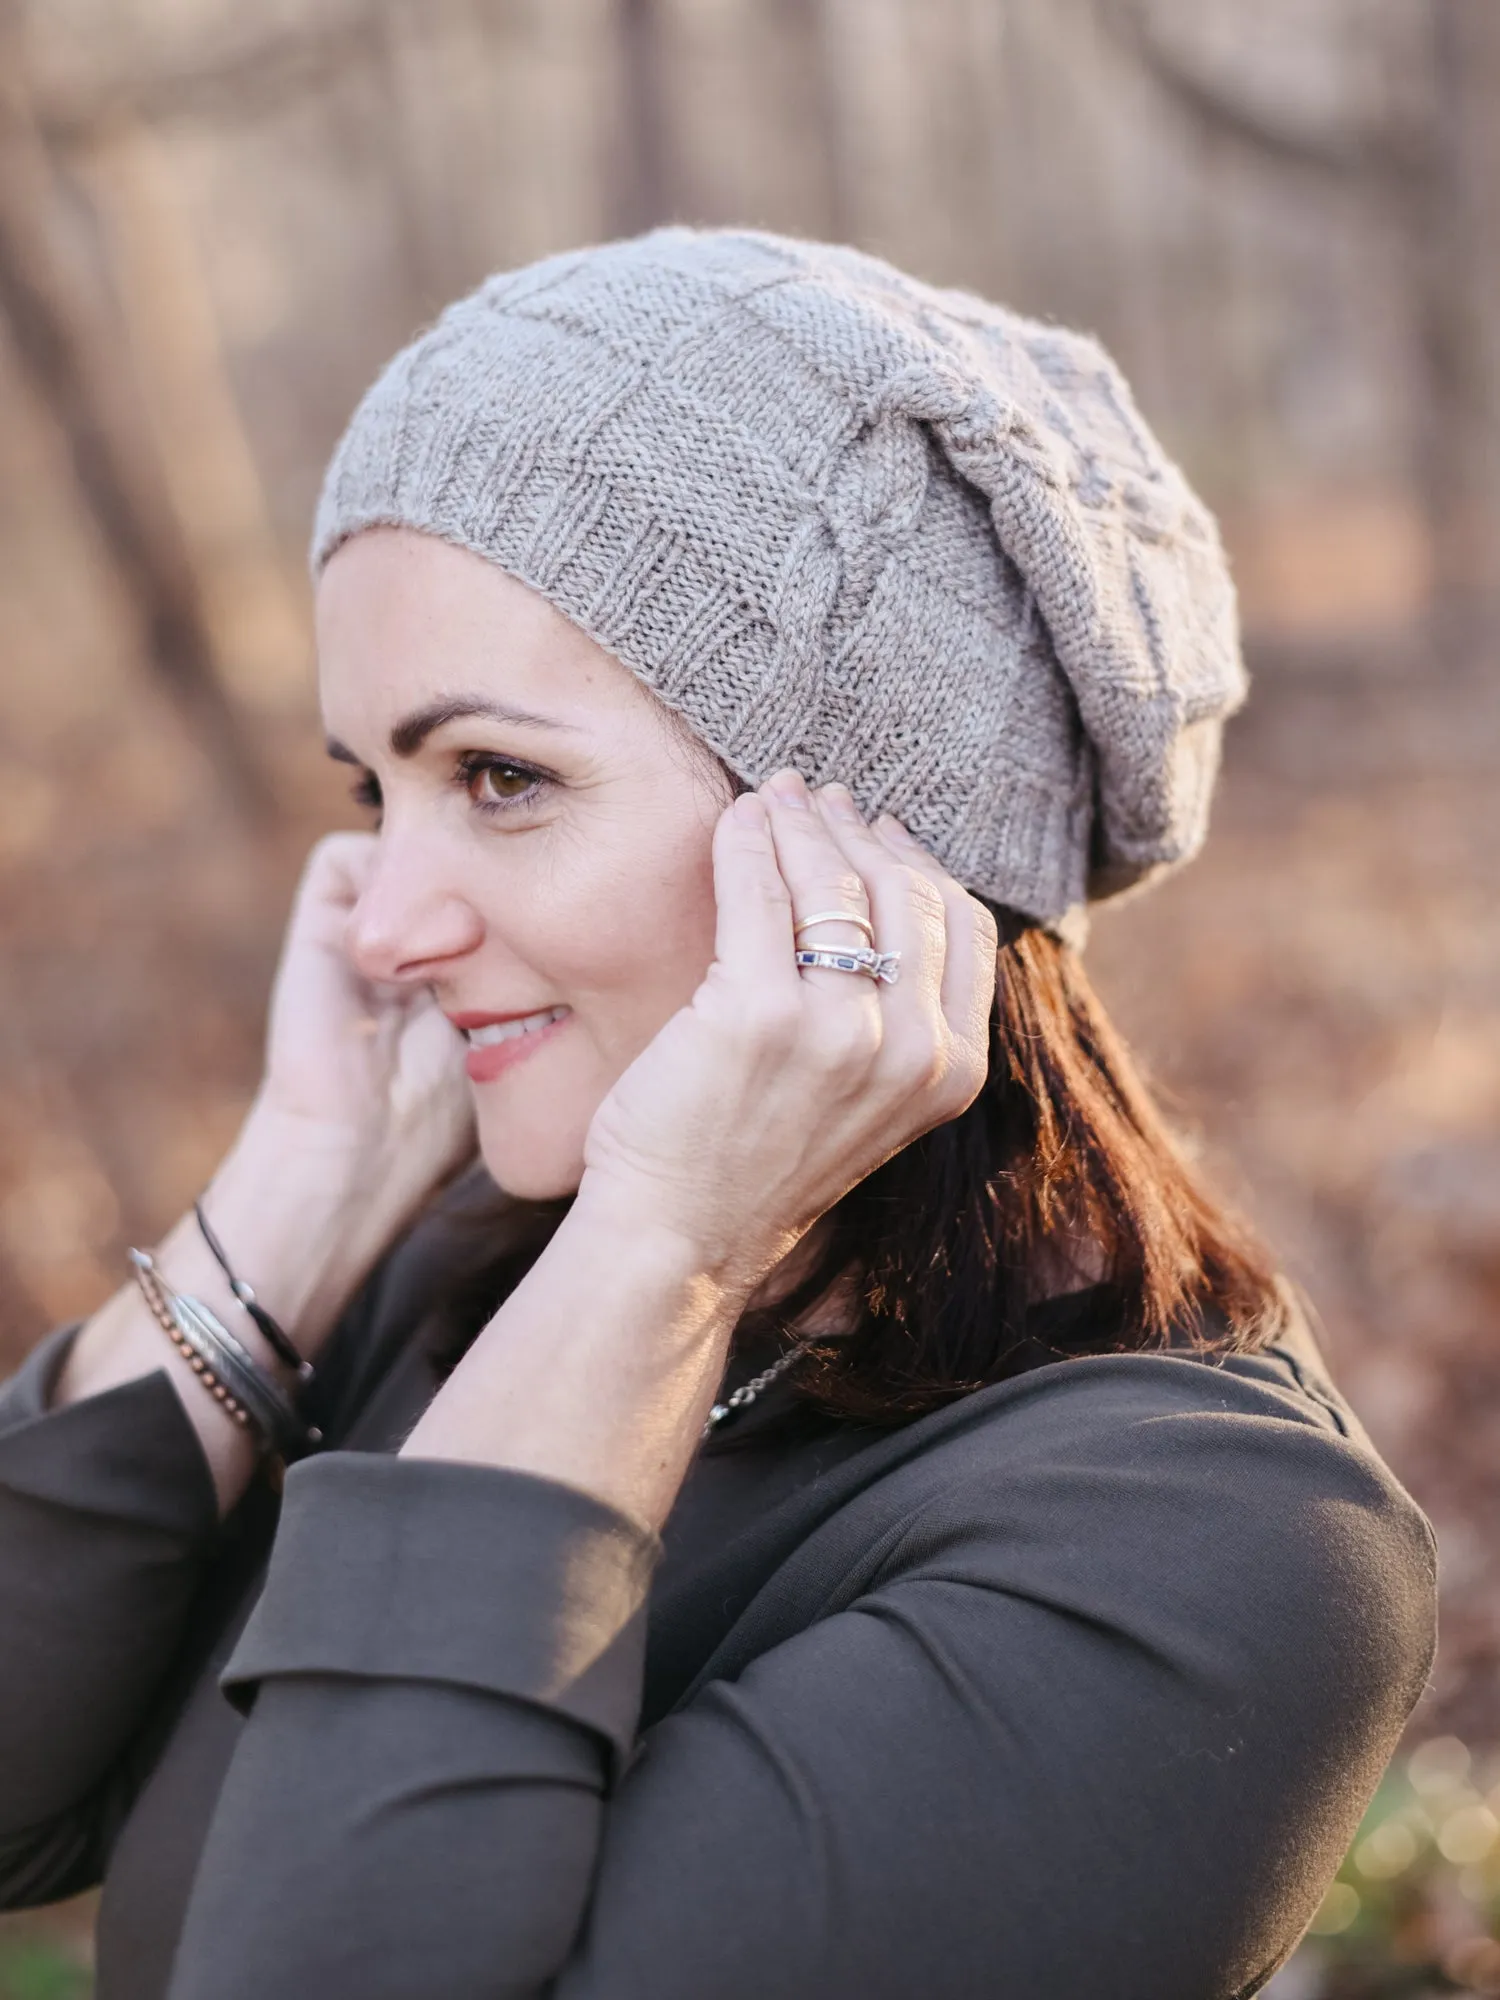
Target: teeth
{"x":507,"y":1031}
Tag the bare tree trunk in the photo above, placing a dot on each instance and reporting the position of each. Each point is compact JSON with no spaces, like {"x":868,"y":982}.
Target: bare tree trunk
{"x":1453,"y":255}
{"x":183,"y":389}
{"x":423,"y":228}
{"x":1443,"y":188}
{"x":1217,"y":108}
{"x":809,"y":31}
{"x":643,"y":190}
{"x":236,"y":83}
{"x":75,"y":375}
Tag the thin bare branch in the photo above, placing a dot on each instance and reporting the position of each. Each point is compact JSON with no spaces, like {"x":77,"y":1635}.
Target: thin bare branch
{"x":73,"y":372}
{"x":239,"y":83}
{"x":810,"y":31}
{"x":643,"y":194}
{"x":1381,"y":152}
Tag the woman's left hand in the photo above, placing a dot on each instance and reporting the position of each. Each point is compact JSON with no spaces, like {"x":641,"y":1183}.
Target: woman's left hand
{"x":777,"y":1089}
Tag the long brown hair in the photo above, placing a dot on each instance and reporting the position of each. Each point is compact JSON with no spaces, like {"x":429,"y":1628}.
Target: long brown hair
{"x":1060,"y":1182}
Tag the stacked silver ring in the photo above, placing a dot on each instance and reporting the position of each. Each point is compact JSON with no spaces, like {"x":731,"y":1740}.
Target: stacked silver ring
{"x":863,"y":959}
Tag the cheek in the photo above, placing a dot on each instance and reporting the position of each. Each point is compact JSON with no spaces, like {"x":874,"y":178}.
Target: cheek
{"x":663,"y":908}
{"x":637,"y":939}
{"x":624,"y":944}
{"x":620,"y":930}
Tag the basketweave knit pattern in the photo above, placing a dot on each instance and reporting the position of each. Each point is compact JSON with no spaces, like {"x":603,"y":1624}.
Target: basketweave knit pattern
{"x":843,"y":520}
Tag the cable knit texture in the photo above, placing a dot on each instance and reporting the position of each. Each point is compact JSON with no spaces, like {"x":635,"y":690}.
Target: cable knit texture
{"x":843,"y":520}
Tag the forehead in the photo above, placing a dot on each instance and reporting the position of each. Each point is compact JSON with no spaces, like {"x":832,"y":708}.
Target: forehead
{"x":404,"y":619}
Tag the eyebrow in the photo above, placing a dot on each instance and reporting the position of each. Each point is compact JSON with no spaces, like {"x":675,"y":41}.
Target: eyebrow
{"x":412,"y":731}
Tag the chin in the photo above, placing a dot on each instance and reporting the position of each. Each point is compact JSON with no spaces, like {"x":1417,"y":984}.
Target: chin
{"x":533,"y":1166}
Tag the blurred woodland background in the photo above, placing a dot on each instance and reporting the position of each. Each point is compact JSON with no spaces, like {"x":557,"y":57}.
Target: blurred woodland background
{"x":1284,"y":219}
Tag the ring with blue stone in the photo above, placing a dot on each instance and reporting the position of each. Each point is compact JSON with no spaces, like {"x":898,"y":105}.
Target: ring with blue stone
{"x":882,"y":965}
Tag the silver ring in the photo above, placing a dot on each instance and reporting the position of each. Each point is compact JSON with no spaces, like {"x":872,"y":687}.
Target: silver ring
{"x":882,"y":965}
{"x":835,"y":917}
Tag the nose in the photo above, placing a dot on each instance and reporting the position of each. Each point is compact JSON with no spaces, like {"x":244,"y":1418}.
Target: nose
{"x":411,"y":921}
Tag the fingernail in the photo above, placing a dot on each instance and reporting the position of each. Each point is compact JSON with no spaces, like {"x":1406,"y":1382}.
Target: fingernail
{"x":840,"y":801}
{"x":788,"y":788}
{"x":888,"y":823}
{"x":750,"y":808}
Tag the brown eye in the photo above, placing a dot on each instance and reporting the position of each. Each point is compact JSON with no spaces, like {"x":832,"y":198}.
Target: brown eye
{"x":495,"y":784}
{"x":503,"y":781}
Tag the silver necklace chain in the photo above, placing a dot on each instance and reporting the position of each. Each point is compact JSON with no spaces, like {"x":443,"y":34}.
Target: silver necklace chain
{"x":747,"y":1392}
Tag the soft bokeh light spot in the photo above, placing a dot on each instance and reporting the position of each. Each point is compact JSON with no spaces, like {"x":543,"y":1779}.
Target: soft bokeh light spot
{"x":1467,"y":1836}
{"x":1336,"y":1912}
{"x":1387,"y":1852}
{"x":1438,"y":1766}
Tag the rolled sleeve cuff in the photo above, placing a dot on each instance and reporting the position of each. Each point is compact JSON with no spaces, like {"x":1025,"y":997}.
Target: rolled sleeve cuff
{"x":29,"y":1391}
{"x":129,"y":1453}
{"x":389,"y":1568}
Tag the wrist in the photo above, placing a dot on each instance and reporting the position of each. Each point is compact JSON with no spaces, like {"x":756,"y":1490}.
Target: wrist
{"x":733,"y":1263}
{"x":637,"y":1252}
{"x":276,"y":1129}
{"x":298,"y":1209}
{"x":599,"y":1368}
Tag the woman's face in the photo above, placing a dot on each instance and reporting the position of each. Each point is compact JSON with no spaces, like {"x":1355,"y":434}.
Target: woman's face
{"x":545,"y":830}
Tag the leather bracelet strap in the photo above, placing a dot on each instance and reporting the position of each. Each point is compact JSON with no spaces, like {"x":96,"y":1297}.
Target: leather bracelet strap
{"x":280,"y":1341}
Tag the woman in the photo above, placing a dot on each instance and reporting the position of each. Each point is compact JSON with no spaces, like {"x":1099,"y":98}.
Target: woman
{"x":853,"y":1517}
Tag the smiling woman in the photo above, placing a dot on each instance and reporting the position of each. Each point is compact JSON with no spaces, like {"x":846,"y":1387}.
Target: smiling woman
{"x":784,"y":1441}
{"x":545,"y":833}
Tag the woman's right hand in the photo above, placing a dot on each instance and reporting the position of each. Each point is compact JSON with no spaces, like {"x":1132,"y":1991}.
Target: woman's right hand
{"x":376,"y":1069}
{"x":363,"y":1111}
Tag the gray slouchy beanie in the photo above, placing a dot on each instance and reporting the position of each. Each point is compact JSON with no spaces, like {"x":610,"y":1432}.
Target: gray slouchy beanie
{"x":842,"y":520}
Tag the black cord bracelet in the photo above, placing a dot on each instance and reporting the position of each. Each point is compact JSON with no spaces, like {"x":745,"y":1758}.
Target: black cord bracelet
{"x":278,"y":1339}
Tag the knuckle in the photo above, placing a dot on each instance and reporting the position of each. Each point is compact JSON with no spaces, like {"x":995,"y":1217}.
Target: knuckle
{"x":322,"y":856}
{"x":925,"y":1068}
{"x":773,"y":1019}
{"x":738,"y":834}
{"x":983,"y":919}
{"x":345,"y":841}
{"x":925,"y":1065}
{"x":848,"y":1039}
{"x":770,"y":892}
{"x":843,"y":888}
{"x":966,"y":1078}
{"x":863,"y":1036}
{"x":922,"y":893}
{"x":337,"y":853}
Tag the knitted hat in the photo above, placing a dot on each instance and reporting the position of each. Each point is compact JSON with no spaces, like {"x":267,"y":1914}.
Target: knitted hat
{"x":842,"y":520}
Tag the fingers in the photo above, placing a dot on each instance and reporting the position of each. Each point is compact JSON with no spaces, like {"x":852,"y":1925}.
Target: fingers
{"x":908,"y":913}
{"x":968,"y":981}
{"x":337,"y":869}
{"x":786,"y":853}
{"x":940,"y":1024}
{"x":753,"y":933}
{"x":820,"y":878}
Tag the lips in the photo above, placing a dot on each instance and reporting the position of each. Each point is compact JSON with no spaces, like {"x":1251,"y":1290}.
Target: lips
{"x":498,"y":1041}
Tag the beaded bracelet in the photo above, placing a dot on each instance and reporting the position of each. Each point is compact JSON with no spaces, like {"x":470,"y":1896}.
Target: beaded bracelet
{"x":227,"y":1369}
